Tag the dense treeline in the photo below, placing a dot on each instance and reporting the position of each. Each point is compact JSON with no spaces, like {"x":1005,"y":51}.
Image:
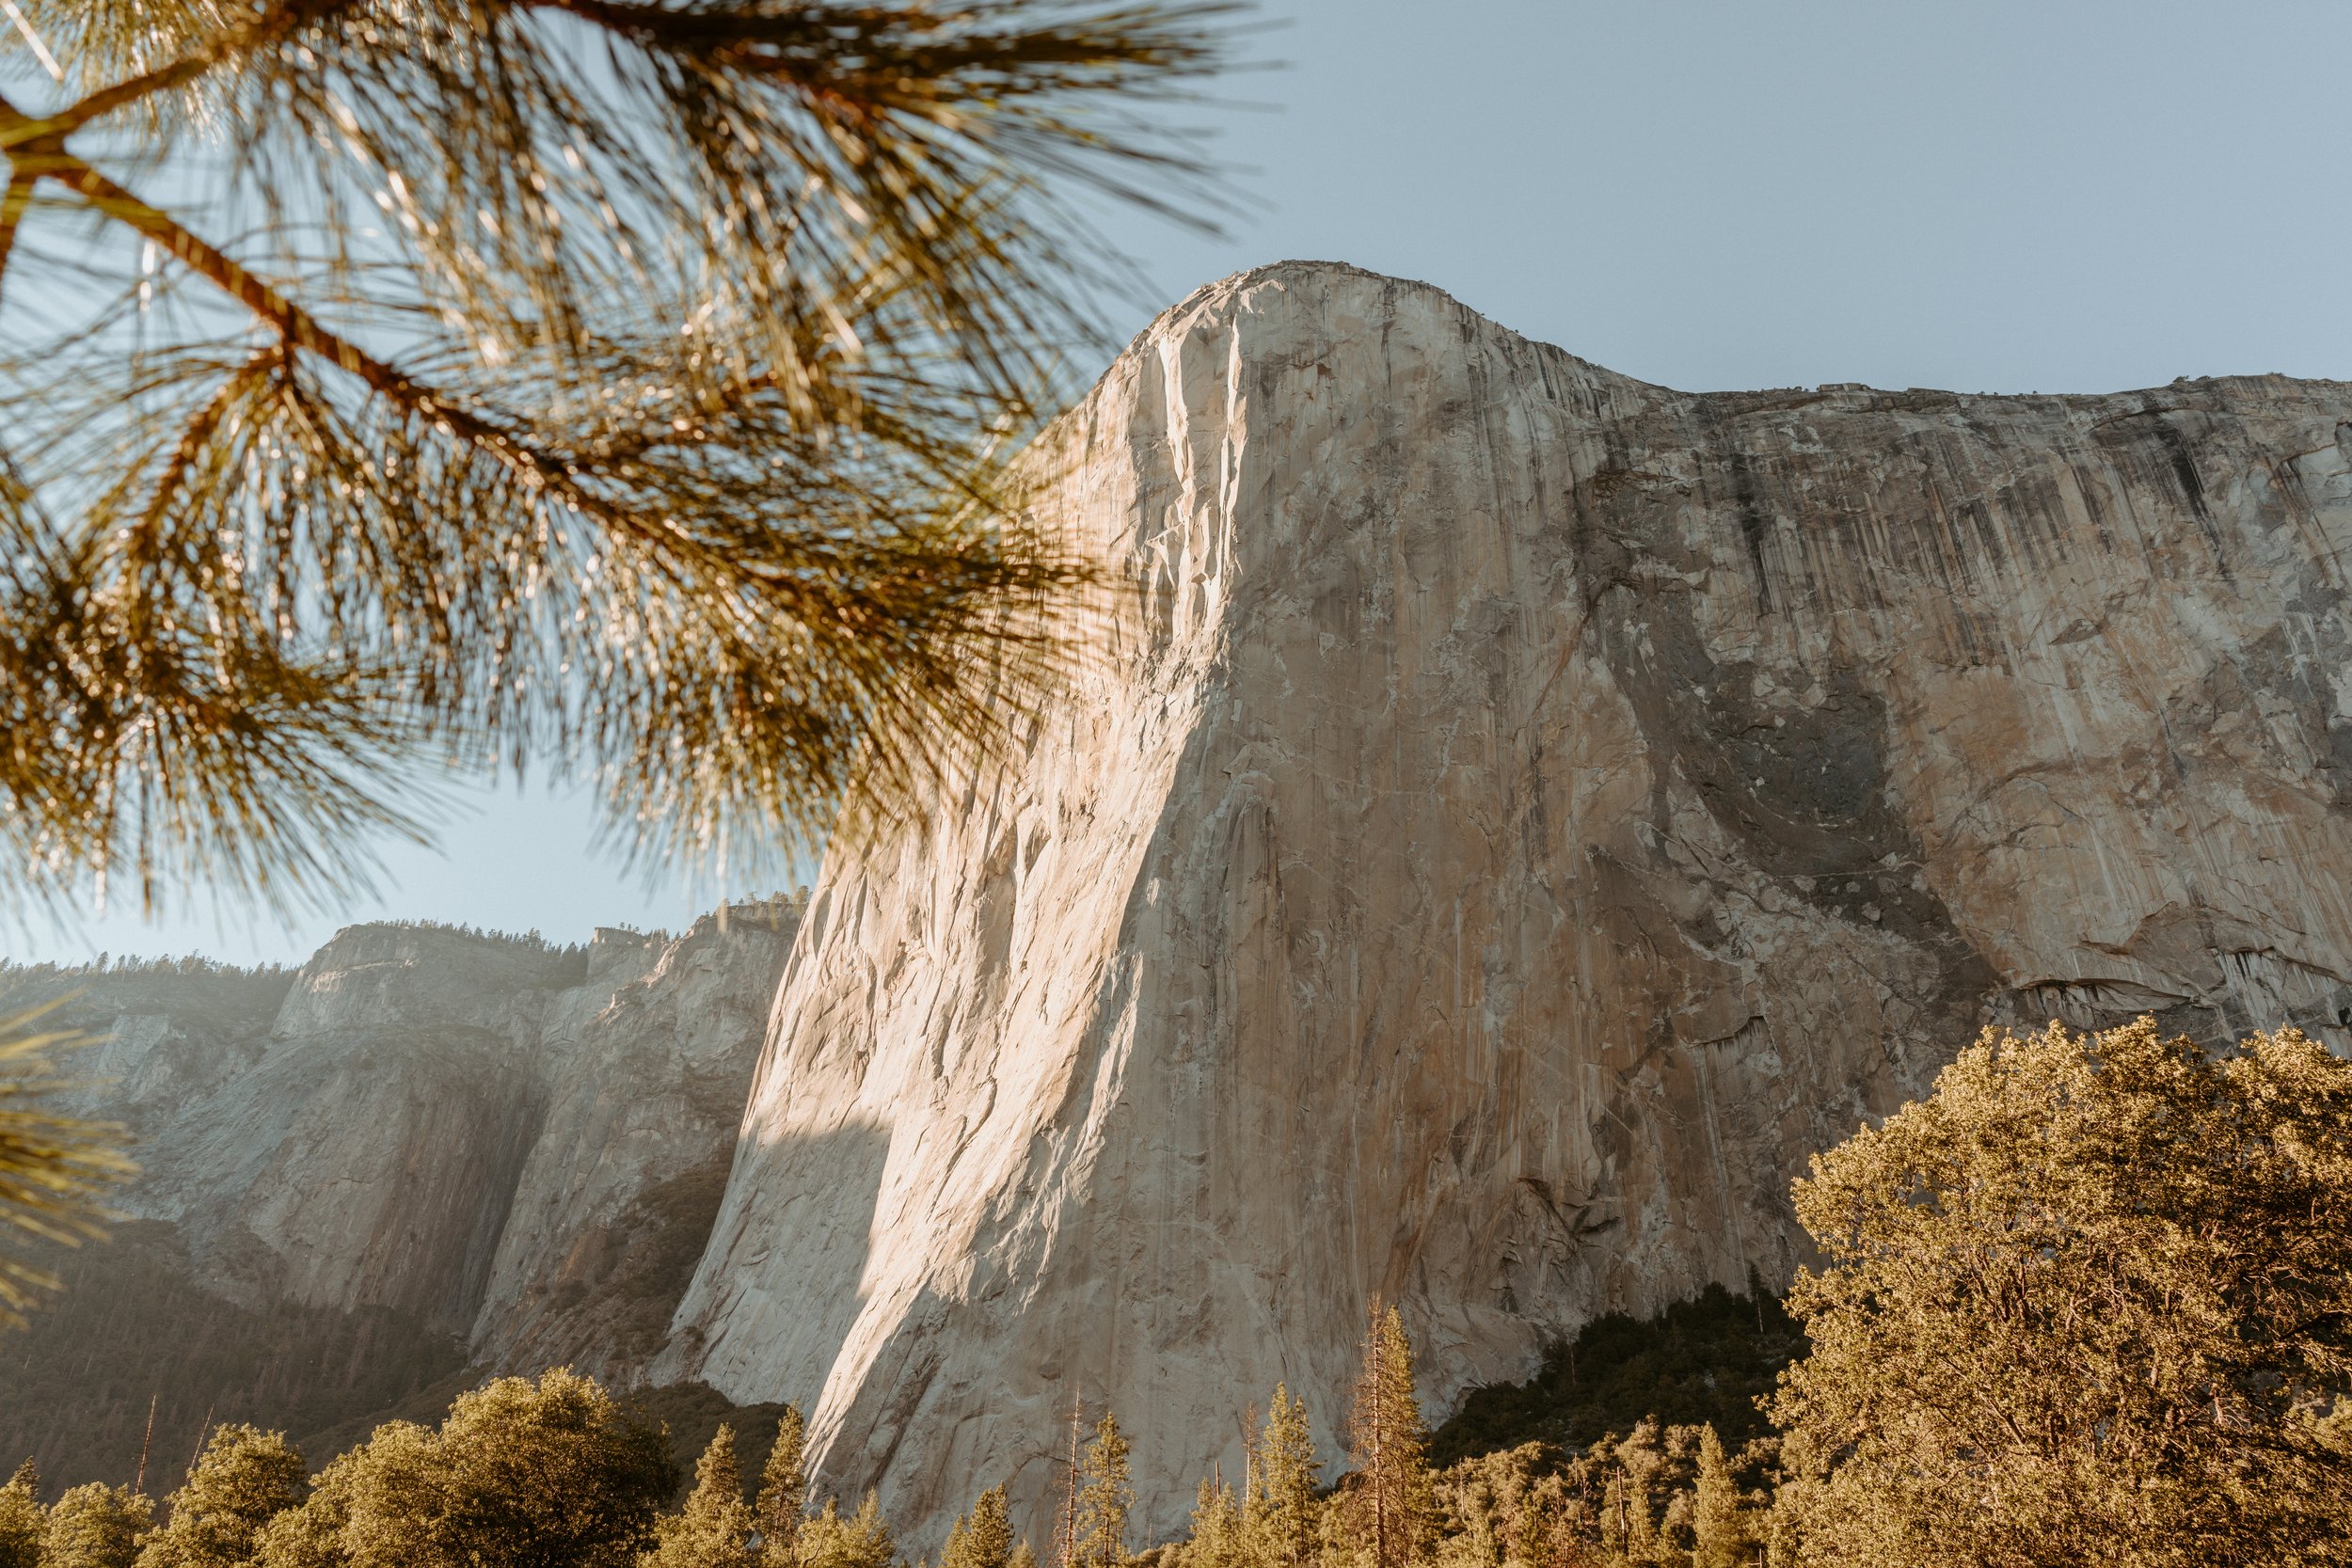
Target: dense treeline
{"x":2091,"y":1302}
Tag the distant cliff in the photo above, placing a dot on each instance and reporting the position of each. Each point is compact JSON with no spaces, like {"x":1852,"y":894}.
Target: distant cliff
{"x":424,"y":1150}
{"x":1517,"y":815}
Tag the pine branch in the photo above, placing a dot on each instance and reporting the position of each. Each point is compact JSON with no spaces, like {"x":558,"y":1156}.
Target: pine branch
{"x":54,"y":1169}
{"x":16,"y":200}
{"x":662,"y":426}
{"x":272,"y":24}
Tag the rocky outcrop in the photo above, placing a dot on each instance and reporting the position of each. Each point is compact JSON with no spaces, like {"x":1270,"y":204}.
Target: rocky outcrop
{"x":1518,"y":813}
{"x":651,"y":1063}
{"x":516,"y":1146}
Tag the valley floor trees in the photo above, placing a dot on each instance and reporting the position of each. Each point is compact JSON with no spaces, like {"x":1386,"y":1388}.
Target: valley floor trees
{"x":2091,"y":1302}
{"x":2088,"y":1302}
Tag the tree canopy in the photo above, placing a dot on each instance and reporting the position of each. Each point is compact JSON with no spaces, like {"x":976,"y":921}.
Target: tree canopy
{"x":243,"y":1479}
{"x":2090,"y":1301}
{"x":521,"y":1474}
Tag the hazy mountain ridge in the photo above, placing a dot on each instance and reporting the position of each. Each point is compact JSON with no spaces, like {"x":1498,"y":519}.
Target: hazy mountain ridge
{"x":436,"y":1148}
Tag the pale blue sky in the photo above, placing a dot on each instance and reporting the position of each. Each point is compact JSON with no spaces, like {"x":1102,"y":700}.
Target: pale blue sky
{"x":2060,"y":196}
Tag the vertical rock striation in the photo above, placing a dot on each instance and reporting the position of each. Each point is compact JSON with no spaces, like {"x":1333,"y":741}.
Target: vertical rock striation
{"x":516,"y":1146}
{"x":1519,"y":813}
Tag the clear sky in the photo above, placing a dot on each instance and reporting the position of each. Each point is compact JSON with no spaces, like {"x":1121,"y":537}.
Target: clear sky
{"x":2078,"y":196}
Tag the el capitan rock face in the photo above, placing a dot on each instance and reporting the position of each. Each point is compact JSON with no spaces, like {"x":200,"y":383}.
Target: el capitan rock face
{"x":1519,"y":813}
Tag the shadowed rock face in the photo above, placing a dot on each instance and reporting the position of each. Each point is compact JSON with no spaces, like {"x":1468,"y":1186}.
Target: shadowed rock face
{"x":1520,"y":813}
{"x":515,"y":1147}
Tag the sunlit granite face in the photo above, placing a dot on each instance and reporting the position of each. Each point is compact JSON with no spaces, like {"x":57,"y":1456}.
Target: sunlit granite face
{"x":1519,"y":813}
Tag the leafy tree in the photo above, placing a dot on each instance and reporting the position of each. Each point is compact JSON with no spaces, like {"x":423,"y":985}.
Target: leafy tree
{"x":23,"y":1520}
{"x":243,"y":1480}
{"x":97,"y":1526}
{"x":54,"y":1169}
{"x":782,"y":1501}
{"x":311,"y":1536}
{"x":1105,"y":1492}
{"x":1283,"y":1516}
{"x":861,"y":1540}
{"x":982,"y":1539}
{"x":715,"y":1528}
{"x":519,"y":1475}
{"x":1388,"y":1507}
{"x":2090,"y":1301}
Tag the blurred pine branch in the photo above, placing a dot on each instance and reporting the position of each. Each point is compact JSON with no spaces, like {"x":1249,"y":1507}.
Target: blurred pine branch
{"x":626,"y":389}
{"x":55,"y":1169}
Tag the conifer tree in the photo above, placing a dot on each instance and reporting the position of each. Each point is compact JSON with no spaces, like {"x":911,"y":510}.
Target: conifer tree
{"x":982,"y":1539}
{"x":783,"y":1502}
{"x":1391,"y":1505}
{"x":714,"y":1530}
{"x":1283,"y":1515}
{"x":1218,"y":1538}
{"x":1105,"y":1492}
{"x":1719,"y":1525}
{"x":1066,"y":1524}
{"x":1641,"y":1531}
{"x":861,"y":1540}
{"x":23,"y":1520}
{"x":1024,"y":1556}
{"x":97,"y":1526}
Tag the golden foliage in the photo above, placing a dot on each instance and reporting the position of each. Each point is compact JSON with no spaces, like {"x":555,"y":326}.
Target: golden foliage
{"x":714,"y":1530}
{"x":1386,"y":1508}
{"x":2091,"y":1302}
{"x":782,"y":1505}
{"x":243,"y":1480}
{"x":550,"y":1471}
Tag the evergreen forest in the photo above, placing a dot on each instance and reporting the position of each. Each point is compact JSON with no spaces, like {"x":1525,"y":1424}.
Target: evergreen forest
{"x":2087,"y":1302}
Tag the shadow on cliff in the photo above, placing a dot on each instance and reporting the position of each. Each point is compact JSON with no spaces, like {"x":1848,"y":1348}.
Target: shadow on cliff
{"x":800,"y":1210}
{"x":136,"y":1338}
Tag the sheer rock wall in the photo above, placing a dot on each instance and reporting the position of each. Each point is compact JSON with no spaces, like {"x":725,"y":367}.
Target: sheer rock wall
{"x":1519,"y":813}
{"x":516,"y":1145}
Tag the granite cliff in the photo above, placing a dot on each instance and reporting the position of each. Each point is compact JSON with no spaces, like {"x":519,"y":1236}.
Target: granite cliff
{"x":1512,"y":814}
{"x":426,"y":1150}
{"x":1517,"y":815}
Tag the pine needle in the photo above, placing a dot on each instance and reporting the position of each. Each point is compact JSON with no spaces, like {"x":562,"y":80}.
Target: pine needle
{"x":627,"y":390}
